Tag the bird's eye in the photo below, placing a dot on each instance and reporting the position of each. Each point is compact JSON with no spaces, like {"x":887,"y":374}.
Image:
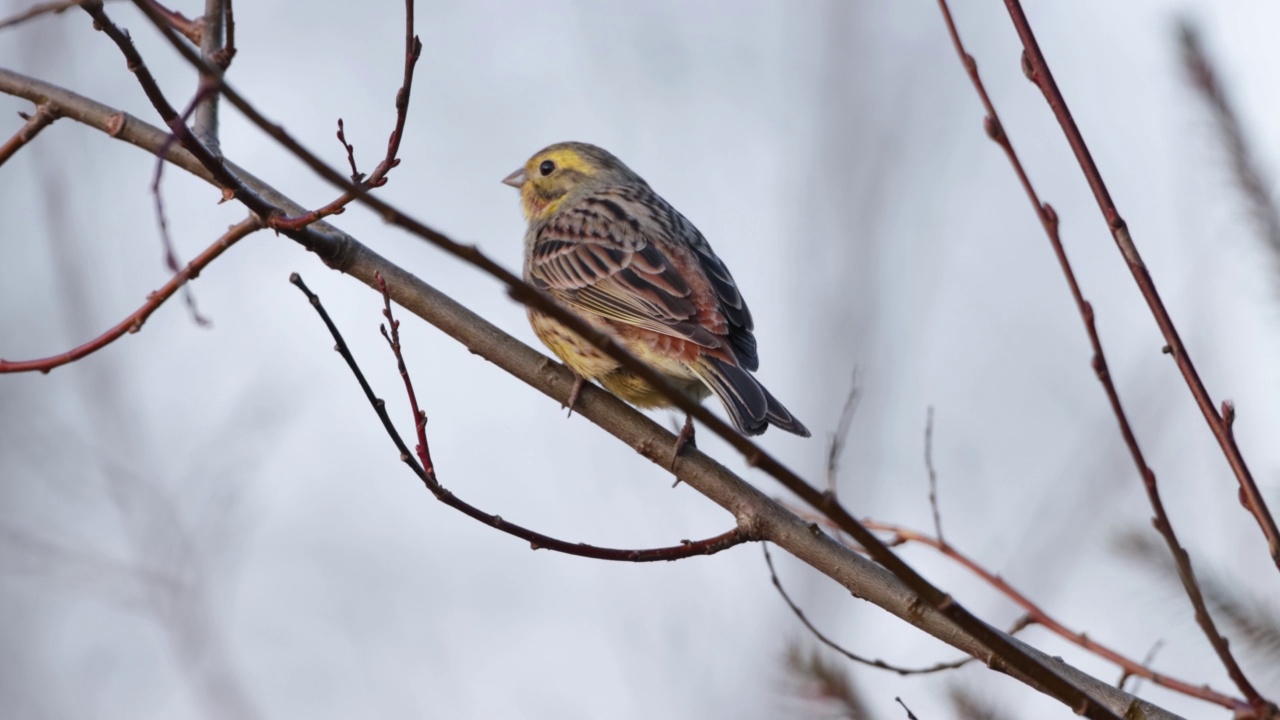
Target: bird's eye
{"x":546,"y":168}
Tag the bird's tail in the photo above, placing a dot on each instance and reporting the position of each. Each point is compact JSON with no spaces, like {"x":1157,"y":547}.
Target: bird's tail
{"x":752,"y":408}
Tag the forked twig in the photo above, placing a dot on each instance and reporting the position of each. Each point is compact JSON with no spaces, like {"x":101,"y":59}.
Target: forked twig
{"x":425,"y":469}
{"x":1049,"y":221}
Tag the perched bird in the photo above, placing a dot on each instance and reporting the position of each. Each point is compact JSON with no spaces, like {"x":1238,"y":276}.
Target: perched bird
{"x":608,"y":248}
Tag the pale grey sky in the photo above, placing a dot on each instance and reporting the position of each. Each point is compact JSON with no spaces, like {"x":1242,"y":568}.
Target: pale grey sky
{"x":833,"y":154}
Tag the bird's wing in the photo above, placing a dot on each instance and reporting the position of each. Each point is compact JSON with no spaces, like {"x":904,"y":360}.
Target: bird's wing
{"x":601,"y":259}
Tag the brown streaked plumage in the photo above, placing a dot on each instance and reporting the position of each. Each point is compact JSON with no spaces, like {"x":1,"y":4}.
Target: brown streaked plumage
{"x":607,"y":247}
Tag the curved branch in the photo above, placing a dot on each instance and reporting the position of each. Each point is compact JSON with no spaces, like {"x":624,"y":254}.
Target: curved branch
{"x":927,"y":594}
{"x":133,"y":322}
{"x":753,"y":510}
{"x":427,"y":474}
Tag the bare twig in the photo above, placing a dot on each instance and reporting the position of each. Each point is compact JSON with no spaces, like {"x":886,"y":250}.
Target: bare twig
{"x":1037,"y":70}
{"x":427,"y":474}
{"x":1147,"y":659}
{"x":1049,"y":221}
{"x":378,"y":178}
{"x":755,"y":511}
{"x":910,"y":715}
{"x":928,"y":594}
{"x":871,"y":662}
{"x":42,"y":118}
{"x":835,"y":447}
{"x":1036,"y":615}
{"x":133,"y":323}
{"x":933,"y":476}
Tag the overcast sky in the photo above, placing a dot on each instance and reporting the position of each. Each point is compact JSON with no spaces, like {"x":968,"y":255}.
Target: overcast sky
{"x":209,"y":522}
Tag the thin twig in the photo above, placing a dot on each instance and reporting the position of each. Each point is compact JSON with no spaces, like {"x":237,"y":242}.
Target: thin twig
{"x":1147,"y":659}
{"x":42,"y":118}
{"x":1002,"y":647}
{"x":900,"y":534}
{"x":910,"y":715}
{"x":378,"y":178}
{"x":754,"y":510}
{"x":166,"y":239}
{"x":1037,"y":70}
{"x":427,"y":474}
{"x":133,"y":323}
{"x":1049,"y":221}
{"x":933,"y":476}
{"x":835,"y":447}
{"x":871,"y":662}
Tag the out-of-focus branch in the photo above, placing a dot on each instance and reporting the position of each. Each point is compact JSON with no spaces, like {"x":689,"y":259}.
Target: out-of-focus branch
{"x":42,"y":118}
{"x":1000,"y":645}
{"x":1049,"y":221}
{"x":1249,"y":176}
{"x":56,"y":7}
{"x":1037,"y":70}
{"x":753,"y":510}
{"x":133,"y":322}
{"x":426,"y":472}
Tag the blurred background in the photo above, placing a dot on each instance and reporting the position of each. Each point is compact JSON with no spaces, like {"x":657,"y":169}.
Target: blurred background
{"x":210,"y":522}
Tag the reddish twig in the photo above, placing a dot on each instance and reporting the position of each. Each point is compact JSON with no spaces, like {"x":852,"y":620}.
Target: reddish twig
{"x":1004,"y":653}
{"x":42,"y":118}
{"x":356,"y":175}
{"x":192,"y":30}
{"x":1049,"y":221}
{"x":1037,"y":70}
{"x":1035,"y":615}
{"x":871,"y":662}
{"x":425,"y":470}
{"x":1038,"y":616}
{"x":166,"y":239}
{"x":377,"y":178}
{"x":133,"y":323}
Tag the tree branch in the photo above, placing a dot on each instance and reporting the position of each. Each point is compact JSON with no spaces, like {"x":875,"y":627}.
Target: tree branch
{"x":1049,"y":221}
{"x":133,"y":322}
{"x":752,"y":508}
{"x":42,"y":118}
{"x":929,"y":595}
{"x":1037,"y":70}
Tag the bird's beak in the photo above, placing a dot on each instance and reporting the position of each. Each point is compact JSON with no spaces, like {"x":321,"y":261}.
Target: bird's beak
{"x":516,"y":179}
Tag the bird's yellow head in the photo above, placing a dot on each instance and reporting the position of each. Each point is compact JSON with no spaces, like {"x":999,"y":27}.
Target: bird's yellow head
{"x":555,"y":171}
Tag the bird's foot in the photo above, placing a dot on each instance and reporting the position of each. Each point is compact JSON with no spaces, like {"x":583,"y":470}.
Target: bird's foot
{"x":578,"y":382}
{"x":686,"y":437}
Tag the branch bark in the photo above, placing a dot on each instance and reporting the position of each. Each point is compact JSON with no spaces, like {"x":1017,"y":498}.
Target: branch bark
{"x":753,"y":511}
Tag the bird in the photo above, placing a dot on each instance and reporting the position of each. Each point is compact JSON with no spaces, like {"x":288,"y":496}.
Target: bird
{"x":606,"y":247}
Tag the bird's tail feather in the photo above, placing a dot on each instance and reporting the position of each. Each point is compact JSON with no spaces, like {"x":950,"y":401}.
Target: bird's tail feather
{"x":751,"y":407}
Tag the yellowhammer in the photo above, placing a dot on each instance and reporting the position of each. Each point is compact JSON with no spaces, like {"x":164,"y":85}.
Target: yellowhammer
{"x":604,"y":245}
